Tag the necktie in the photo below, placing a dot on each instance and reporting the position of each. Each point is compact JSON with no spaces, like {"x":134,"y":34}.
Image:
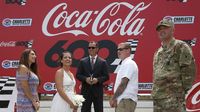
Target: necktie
{"x":92,"y":62}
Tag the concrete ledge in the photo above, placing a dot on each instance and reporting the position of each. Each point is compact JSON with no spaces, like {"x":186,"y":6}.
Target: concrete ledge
{"x":142,"y":106}
{"x":140,"y":97}
{"x":144,"y":101}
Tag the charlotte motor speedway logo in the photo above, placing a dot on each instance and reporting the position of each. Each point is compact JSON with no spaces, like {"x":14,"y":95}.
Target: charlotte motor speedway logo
{"x":7,"y":22}
{"x":181,"y":19}
{"x":49,"y":86}
{"x":10,"y":64}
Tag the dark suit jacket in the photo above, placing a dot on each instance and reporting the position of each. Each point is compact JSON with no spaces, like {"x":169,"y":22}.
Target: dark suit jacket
{"x":100,"y":72}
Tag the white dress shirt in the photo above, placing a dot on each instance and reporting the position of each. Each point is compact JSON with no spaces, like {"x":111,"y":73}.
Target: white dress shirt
{"x":95,"y":58}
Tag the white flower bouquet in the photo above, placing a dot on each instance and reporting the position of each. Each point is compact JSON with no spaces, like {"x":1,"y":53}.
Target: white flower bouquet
{"x":78,"y":100}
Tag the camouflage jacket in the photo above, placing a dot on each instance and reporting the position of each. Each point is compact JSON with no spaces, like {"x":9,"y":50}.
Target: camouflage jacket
{"x":173,"y":70}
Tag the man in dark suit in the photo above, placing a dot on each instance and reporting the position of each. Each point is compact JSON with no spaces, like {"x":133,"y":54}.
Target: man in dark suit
{"x":92,"y":72}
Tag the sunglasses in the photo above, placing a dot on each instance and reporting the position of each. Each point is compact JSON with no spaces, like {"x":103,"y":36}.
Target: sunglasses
{"x":121,"y":49}
{"x":91,"y":47}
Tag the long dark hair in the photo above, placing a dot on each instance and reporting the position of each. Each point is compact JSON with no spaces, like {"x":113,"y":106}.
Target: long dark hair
{"x":24,"y":61}
{"x":61,"y":57}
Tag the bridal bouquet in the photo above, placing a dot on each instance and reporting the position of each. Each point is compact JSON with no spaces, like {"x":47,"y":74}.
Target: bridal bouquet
{"x":78,"y":100}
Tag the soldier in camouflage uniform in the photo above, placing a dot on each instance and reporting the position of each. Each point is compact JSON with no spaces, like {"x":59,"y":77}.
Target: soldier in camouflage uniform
{"x":173,"y":71}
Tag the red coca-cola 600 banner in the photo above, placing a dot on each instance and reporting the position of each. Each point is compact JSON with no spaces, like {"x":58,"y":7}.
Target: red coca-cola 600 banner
{"x":52,"y":26}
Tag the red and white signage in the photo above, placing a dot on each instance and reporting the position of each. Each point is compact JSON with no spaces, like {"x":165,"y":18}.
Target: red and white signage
{"x":51,"y":27}
{"x":193,"y":98}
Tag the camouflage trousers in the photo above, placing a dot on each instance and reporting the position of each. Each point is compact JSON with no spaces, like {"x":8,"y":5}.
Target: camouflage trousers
{"x":126,"y":105}
{"x":169,"y":105}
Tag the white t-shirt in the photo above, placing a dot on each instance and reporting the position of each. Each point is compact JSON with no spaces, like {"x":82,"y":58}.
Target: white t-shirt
{"x":128,"y":69}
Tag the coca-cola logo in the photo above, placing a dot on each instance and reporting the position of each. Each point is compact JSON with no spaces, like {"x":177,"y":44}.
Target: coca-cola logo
{"x":27,"y":44}
{"x":101,"y":22}
{"x":8,"y":44}
{"x":193,"y":99}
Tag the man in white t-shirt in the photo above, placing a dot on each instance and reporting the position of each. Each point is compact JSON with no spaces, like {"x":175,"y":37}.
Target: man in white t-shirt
{"x":126,"y":84}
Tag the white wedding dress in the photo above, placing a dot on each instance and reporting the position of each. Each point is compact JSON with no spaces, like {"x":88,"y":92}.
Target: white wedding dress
{"x":60,"y":105}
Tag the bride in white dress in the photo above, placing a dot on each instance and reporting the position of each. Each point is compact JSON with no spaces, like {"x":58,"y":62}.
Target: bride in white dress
{"x":65,"y":83}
